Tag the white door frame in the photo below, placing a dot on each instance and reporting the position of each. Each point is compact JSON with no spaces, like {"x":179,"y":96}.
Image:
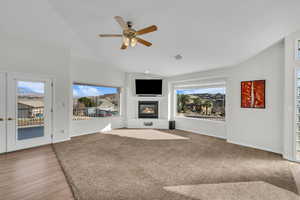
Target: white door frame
{"x":11,"y":129}
{"x":295,"y":128}
{"x":2,"y":112}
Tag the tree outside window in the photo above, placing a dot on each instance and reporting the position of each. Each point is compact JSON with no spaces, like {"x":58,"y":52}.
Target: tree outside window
{"x":92,"y":101}
{"x":203,"y":103}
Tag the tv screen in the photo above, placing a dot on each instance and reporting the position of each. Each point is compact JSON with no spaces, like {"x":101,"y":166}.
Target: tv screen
{"x":148,"y":86}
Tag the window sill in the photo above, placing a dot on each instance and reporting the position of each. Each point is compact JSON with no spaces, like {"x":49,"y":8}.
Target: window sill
{"x":201,"y":119}
{"x":97,"y":118}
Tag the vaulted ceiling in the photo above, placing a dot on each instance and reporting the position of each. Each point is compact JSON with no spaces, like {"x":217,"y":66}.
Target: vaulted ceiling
{"x":207,"y":33}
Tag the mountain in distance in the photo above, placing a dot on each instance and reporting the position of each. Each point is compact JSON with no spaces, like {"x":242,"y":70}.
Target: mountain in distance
{"x":23,"y":91}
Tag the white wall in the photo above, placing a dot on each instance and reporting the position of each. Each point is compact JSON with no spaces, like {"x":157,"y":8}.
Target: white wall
{"x":289,"y":95}
{"x":259,"y":128}
{"x":205,"y":127}
{"x":93,"y":72}
{"x":33,"y":57}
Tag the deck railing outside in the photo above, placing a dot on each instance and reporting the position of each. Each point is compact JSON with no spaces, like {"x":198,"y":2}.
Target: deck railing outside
{"x":91,"y":112}
{"x":30,"y":117}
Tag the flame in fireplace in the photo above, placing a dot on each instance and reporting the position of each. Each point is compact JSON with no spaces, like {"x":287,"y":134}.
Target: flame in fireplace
{"x":148,"y":110}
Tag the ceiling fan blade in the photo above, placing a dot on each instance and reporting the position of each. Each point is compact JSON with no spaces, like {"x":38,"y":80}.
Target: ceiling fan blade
{"x":123,"y":47}
{"x":122,"y":22}
{"x":110,"y":35}
{"x":147,"y":30}
{"x":144,"y":42}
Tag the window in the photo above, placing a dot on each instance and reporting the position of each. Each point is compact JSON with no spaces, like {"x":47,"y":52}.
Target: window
{"x":92,"y":101}
{"x":203,"y":103}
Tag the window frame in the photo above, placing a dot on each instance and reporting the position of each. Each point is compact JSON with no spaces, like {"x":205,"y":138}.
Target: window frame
{"x":205,"y":86}
{"x":119,"y":90}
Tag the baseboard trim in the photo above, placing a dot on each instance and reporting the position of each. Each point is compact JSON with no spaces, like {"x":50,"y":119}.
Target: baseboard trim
{"x":202,"y":133}
{"x":254,"y":147}
{"x":85,"y":133}
{"x":61,"y":140}
{"x":90,"y":132}
{"x":233,"y":142}
{"x":94,"y":131}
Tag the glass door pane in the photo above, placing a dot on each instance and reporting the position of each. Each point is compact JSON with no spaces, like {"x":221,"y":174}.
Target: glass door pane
{"x":30,"y":109}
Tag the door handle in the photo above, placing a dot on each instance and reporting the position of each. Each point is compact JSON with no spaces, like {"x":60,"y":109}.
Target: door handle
{"x":10,"y":119}
{"x":1,"y":119}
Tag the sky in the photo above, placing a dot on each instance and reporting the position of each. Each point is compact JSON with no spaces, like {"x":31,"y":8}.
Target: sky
{"x":27,"y":87}
{"x":201,"y":91}
{"x":87,"y":90}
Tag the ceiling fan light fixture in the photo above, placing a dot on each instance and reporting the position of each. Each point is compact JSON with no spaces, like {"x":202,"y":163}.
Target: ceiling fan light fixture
{"x":126,"y":41}
{"x":133,"y":42}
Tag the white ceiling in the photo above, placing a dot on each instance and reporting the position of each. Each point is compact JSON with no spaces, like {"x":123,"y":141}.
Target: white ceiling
{"x":36,"y":20}
{"x":207,"y":33}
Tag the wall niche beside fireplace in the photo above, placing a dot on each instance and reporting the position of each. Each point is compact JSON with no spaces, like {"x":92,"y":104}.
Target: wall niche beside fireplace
{"x":148,"y":109}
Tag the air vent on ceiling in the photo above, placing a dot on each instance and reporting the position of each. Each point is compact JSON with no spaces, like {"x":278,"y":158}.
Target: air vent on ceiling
{"x":178,"y":57}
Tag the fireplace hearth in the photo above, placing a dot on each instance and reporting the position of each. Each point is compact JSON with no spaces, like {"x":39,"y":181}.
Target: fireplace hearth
{"x":148,"y":109}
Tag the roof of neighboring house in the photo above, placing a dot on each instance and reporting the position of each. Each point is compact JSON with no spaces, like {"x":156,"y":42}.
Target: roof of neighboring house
{"x":107,"y":105}
{"x":32,"y":103}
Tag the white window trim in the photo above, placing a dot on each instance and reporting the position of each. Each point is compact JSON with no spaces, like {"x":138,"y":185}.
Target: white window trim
{"x":200,"y":86}
{"x":98,"y":85}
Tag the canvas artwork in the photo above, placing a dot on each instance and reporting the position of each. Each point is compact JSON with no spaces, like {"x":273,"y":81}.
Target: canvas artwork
{"x":253,"y":94}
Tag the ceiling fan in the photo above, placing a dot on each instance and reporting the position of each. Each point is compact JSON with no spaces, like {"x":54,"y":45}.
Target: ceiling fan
{"x":130,"y":35}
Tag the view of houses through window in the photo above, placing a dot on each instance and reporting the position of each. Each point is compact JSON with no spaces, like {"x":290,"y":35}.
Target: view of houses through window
{"x":204,"y":103}
{"x":30,"y":109}
{"x":91,"y":101}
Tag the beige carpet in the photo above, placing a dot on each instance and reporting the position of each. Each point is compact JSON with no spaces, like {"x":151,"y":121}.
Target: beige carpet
{"x":146,"y":134}
{"x":111,"y":167}
{"x":255,"y":190}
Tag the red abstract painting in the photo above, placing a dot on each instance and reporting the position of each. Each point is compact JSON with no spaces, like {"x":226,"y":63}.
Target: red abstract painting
{"x":253,"y":94}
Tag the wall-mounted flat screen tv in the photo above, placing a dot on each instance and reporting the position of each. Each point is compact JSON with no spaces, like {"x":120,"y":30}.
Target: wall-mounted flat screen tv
{"x":148,"y":87}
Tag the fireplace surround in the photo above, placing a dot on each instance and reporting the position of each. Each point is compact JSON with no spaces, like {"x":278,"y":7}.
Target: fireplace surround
{"x":148,"y":109}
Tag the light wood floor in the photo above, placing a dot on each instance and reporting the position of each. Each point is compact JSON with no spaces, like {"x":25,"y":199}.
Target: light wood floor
{"x":32,"y":174}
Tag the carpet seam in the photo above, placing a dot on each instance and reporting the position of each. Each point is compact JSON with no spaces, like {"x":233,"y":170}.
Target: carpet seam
{"x":67,"y":177}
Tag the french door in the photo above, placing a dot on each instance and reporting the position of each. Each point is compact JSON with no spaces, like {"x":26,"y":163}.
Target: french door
{"x":27,"y":115}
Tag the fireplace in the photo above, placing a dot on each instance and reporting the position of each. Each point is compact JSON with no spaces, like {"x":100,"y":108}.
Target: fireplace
{"x":148,"y":109}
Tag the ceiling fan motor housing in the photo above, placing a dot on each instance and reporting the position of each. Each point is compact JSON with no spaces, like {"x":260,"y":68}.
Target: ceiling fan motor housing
{"x":130,"y":33}
{"x":129,"y":24}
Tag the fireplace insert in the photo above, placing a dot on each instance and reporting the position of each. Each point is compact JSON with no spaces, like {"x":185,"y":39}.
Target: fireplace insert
{"x":148,"y":109}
